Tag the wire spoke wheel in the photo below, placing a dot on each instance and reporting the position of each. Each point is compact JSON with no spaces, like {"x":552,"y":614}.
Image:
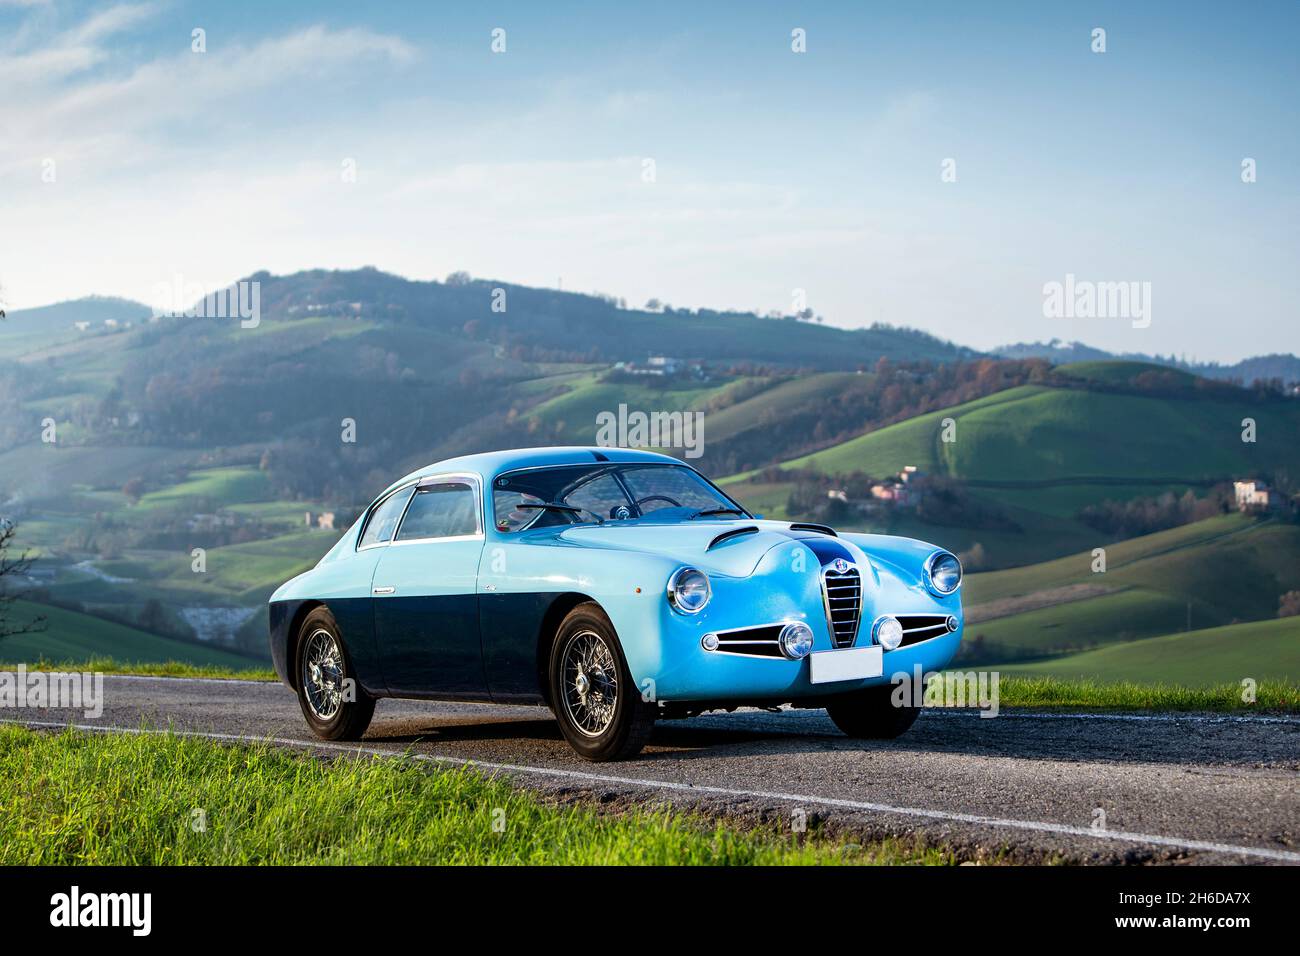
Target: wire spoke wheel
{"x":322,"y":674}
{"x":589,"y":678}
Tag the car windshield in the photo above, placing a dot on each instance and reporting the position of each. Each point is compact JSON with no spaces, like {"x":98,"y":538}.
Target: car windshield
{"x":585,"y":494}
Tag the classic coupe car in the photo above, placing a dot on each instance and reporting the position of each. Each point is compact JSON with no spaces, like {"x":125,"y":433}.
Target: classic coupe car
{"x":615,"y":586}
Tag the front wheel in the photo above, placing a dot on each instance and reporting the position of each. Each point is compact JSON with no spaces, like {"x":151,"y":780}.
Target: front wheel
{"x":333,"y":702}
{"x":601,"y":713}
{"x":871,"y":714}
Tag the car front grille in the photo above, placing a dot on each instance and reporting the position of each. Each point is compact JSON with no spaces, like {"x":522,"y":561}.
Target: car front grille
{"x":842,"y":591}
{"x":922,"y":627}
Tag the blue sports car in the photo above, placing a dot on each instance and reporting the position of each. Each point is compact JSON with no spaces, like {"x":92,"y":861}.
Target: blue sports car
{"x":615,"y":586}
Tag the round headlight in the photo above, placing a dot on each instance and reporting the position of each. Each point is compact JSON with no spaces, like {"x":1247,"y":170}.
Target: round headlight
{"x":943,"y":571}
{"x":887,"y":632}
{"x":796,"y":640}
{"x":688,"y":590}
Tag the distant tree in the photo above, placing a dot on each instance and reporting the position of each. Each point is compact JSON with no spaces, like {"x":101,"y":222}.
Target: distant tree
{"x":153,"y":617}
{"x":133,"y":489}
{"x":11,"y":568}
{"x":459,"y":277}
{"x":654,"y":305}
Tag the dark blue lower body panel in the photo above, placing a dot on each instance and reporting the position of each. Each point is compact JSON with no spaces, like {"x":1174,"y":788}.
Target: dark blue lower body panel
{"x":430,"y":646}
{"x":463,"y":647}
{"x":354,"y":618}
{"x":512,"y":626}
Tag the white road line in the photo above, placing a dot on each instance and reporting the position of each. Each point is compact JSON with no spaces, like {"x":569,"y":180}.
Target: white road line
{"x":1059,"y":829}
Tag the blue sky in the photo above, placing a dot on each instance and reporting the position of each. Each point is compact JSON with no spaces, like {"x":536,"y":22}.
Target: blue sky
{"x":773,"y":171}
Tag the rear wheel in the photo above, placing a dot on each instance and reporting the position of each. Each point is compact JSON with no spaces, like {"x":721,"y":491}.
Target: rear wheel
{"x":871,"y":714}
{"x":600,"y":711}
{"x":333,"y":702}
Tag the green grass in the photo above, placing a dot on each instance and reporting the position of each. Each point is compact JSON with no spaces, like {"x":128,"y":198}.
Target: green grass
{"x":89,"y":799}
{"x":71,"y":635}
{"x":1017,"y":688}
{"x":112,"y":665}
{"x":1259,"y":650}
{"x":217,"y":486}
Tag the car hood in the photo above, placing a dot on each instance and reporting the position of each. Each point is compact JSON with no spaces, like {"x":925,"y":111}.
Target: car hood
{"x":688,"y":543}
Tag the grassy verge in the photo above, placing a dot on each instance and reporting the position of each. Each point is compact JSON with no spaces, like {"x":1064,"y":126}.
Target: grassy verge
{"x":1276,"y":697}
{"x":74,"y":798}
{"x":109,"y":665}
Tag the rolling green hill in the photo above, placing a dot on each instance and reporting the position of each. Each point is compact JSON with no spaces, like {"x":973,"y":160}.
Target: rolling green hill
{"x":1036,"y":435}
{"x":70,"y":635}
{"x":1204,"y":575}
{"x":1260,"y":650}
{"x":1038,"y":454}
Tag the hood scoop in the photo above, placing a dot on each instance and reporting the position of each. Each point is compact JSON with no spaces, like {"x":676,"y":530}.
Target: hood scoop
{"x":731,"y":533}
{"x":807,"y":526}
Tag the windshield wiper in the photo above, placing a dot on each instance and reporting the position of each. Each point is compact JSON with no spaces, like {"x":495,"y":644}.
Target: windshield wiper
{"x":556,"y":506}
{"x":717,"y":511}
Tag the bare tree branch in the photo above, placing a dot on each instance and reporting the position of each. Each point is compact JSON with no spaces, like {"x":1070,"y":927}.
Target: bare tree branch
{"x":12,"y":568}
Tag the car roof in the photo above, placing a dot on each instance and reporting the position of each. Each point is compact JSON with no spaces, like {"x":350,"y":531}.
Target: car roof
{"x":492,"y":463}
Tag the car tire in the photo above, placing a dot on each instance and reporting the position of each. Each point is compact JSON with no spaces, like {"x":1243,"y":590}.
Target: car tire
{"x":601,"y":713}
{"x":321,"y":669}
{"x":870,"y":714}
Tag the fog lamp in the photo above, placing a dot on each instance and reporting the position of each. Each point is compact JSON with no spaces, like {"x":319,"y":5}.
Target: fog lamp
{"x":887,"y":632}
{"x":796,"y":640}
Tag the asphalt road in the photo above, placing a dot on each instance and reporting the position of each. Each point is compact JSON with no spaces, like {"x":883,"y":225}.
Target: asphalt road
{"x":1188,"y":789}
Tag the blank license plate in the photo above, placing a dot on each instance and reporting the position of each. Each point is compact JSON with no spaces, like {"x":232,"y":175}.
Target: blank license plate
{"x":855,"y":663}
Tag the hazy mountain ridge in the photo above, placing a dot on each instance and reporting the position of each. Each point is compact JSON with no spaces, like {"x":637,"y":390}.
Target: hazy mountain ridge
{"x":1283,"y":366}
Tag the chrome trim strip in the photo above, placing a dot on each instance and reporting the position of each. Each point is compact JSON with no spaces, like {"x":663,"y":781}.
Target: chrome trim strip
{"x":774,"y":642}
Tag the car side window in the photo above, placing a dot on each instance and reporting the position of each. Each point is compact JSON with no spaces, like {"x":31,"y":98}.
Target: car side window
{"x":383,"y":520}
{"x":444,"y":510}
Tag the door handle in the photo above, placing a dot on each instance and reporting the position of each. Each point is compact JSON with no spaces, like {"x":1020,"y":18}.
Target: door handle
{"x":386,"y":590}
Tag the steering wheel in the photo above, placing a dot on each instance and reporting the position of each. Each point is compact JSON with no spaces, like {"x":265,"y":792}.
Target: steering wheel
{"x":671,"y":502}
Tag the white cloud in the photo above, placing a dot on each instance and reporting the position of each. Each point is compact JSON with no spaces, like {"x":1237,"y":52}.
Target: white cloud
{"x":115,"y":115}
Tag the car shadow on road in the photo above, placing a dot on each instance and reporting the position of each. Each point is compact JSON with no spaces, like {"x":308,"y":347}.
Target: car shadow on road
{"x":1177,"y":743}
{"x":746,"y":735}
